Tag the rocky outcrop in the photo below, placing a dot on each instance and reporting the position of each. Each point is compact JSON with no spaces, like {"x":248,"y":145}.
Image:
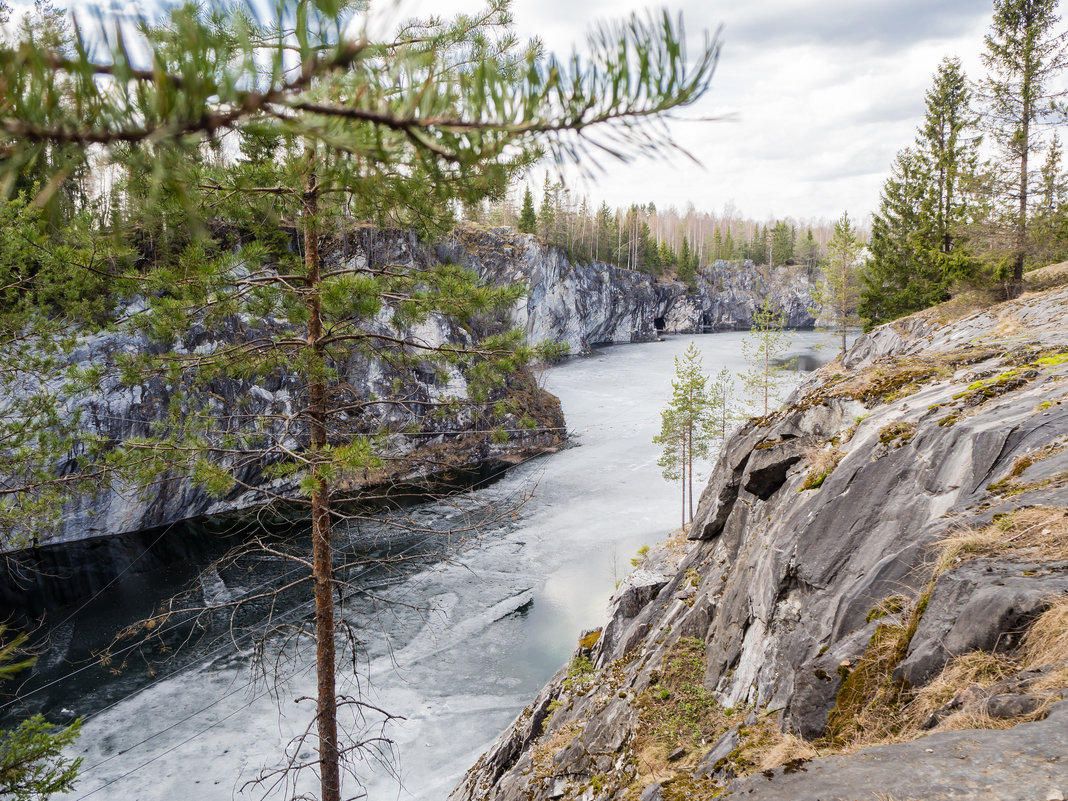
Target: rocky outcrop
{"x":585,"y":305}
{"x":817,"y":575}
{"x":429,"y":426}
{"x":580,"y":305}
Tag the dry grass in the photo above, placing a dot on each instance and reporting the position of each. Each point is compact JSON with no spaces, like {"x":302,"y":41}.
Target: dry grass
{"x":869,"y":701}
{"x":1037,"y":533}
{"x":1046,"y":642}
{"x":1048,"y":277}
{"x":962,"y":305}
{"x":782,"y":748}
{"x":542,"y":759}
{"x":821,"y":463}
{"x":974,"y":669}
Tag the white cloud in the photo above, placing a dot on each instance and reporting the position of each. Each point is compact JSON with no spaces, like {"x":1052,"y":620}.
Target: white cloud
{"x":815,"y":97}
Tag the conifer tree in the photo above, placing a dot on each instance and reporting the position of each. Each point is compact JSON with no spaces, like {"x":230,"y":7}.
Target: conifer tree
{"x":1025,"y":56}
{"x":918,"y":243}
{"x":32,"y":761}
{"x":722,"y":405}
{"x":528,"y":218}
{"x":686,"y":425}
{"x":547,"y":211}
{"x":840,"y":291}
{"x":398,"y":130}
{"x":763,"y":347}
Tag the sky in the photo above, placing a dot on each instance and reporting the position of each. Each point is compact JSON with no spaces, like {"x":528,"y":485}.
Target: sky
{"x":810,"y":101}
{"x":813,"y":97}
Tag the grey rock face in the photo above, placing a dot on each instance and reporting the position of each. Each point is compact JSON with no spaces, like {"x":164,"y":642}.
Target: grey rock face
{"x":723,"y":747}
{"x":118,"y":412}
{"x":983,"y":605}
{"x":585,"y":305}
{"x":581,"y":305}
{"x":791,"y":583}
{"x":1021,"y":764}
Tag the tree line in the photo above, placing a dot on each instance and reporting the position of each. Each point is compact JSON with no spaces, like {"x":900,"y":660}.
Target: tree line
{"x":660,"y":242}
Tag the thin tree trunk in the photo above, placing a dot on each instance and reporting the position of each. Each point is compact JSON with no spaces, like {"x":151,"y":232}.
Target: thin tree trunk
{"x":322,"y":557}
{"x":684,"y":483}
{"x":1016,"y":285}
{"x":689,"y":466}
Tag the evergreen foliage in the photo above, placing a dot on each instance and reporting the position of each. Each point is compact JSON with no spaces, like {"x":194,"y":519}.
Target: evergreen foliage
{"x":919,"y":244}
{"x":528,"y":218}
{"x":762,"y":347}
{"x":332,"y":128}
{"x":840,"y":290}
{"x":1025,"y":57}
{"x":32,"y":765}
{"x":687,"y":425}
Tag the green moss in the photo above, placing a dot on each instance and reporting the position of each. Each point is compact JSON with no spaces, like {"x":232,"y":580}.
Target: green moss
{"x":1052,"y":360}
{"x":897,"y":434}
{"x":890,"y":606}
{"x":590,"y":639}
{"x":815,"y":480}
{"x":951,"y":419}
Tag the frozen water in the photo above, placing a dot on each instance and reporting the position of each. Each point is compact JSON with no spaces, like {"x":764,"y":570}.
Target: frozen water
{"x":456,"y":648}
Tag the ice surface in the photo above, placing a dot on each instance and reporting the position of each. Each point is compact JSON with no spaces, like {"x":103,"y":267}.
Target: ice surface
{"x":463,"y":644}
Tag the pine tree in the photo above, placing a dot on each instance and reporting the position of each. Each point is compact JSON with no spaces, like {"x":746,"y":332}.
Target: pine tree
{"x":1025,"y":57}
{"x":398,"y":130}
{"x":722,"y":405}
{"x":528,"y":218}
{"x":686,"y":425}
{"x":840,"y":292}
{"x":762,"y":348}
{"x":32,"y":761}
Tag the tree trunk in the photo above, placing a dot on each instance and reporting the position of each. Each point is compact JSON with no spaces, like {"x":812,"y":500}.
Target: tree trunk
{"x":689,"y":466}
{"x":322,"y":557}
{"x":1016,"y":283}
{"x":683,"y":524}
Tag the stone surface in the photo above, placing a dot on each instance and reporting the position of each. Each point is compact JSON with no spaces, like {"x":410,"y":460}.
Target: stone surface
{"x":721,"y":750}
{"x":982,"y":605}
{"x":1024,"y":763}
{"x":791,"y":583}
{"x":582,"y":305}
{"x":586,"y":305}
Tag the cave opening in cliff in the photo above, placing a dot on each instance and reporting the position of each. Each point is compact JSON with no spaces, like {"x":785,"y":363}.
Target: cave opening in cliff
{"x":659,"y":324}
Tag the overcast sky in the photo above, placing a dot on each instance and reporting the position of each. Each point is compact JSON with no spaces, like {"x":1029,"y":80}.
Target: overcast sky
{"x":813,"y":97}
{"x":821,"y":94}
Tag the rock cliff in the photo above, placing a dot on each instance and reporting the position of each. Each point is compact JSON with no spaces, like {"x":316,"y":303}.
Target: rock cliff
{"x":581,"y":305}
{"x":876,"y":577}
{"x":585,"y":305}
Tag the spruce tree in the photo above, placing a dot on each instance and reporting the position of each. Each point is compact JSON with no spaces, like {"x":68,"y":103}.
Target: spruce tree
{"x":918,"y":243}
{"x":1025,"y":57}
{"x":528,"y":218}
